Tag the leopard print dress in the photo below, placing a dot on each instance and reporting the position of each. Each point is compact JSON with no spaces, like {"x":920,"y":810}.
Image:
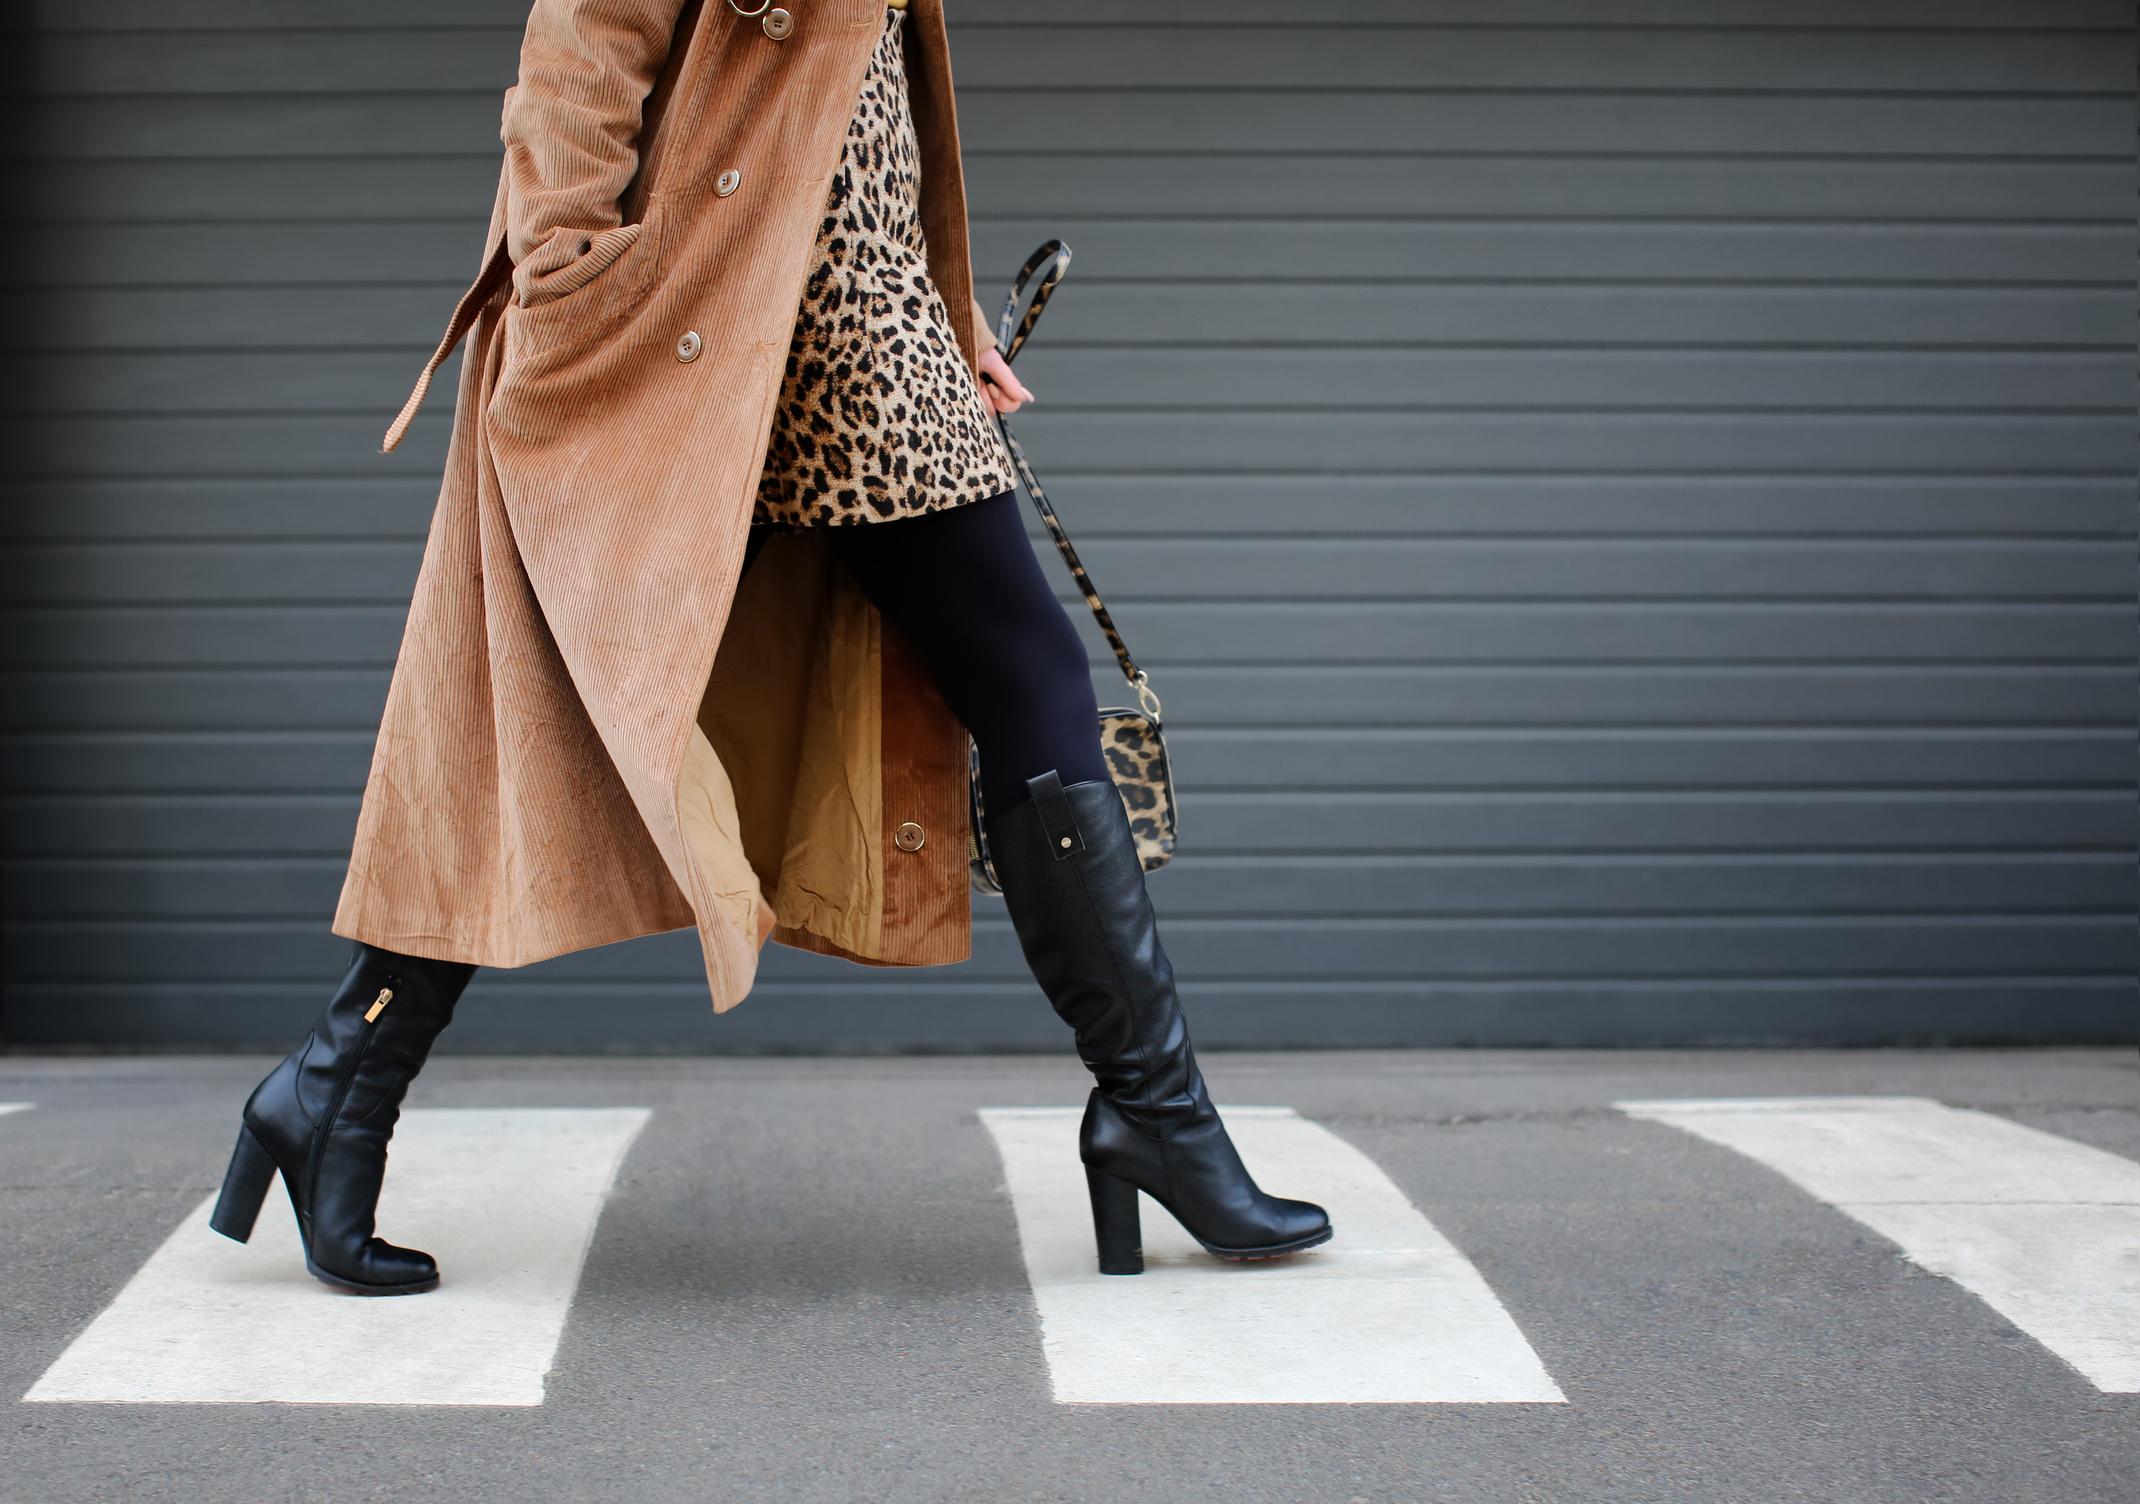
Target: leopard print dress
{"x":879,"y":417}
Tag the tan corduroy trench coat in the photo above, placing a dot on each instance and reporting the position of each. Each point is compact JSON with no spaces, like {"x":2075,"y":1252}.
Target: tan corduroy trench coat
{"x":592,"y":733}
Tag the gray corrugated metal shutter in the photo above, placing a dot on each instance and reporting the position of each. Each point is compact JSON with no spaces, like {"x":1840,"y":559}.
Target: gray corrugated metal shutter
{"x":1629,"y":504}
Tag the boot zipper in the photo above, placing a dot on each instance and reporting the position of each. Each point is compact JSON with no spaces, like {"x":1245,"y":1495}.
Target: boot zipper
{"x":334,"y":1106}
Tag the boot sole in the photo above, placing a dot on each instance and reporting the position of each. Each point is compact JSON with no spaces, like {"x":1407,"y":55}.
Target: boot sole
{"x":1275,"y":1251}
{"x":352,"y":1287}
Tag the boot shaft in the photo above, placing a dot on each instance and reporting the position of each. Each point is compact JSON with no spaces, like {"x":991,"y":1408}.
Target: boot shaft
{"x":365,"y":1047}
{"x":1075,"y":890}
{"x":375,"y":1033}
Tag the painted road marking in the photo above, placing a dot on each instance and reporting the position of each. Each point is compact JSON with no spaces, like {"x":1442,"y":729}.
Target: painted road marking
{"x":505,"y":1200}
{"x":8,"y":1107}
{"x":2043,"y":1230}
{"x":1387,"y":1312}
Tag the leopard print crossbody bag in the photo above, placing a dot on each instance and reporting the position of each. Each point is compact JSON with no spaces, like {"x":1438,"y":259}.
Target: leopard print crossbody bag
{"x":1131,"y":738}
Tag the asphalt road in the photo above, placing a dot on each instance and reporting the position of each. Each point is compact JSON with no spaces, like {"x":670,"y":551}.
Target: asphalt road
{"x":807,"y":1286}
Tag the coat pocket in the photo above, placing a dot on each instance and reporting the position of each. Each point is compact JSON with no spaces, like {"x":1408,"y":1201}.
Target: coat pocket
{"x":568,"y":261}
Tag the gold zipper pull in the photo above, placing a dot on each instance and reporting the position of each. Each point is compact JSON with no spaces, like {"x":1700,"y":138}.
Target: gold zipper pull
{"x":371,"y":1014}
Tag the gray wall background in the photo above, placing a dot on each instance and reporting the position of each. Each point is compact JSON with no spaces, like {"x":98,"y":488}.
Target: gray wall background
{"x":1629,"y":503}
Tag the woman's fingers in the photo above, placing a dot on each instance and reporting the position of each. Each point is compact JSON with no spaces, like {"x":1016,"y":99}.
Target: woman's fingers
{"x":1006,"y":393}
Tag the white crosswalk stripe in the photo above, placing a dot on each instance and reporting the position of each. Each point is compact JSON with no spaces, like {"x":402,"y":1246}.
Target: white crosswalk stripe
{"x":1388,"y":1312}
{"x":2044,"y":1230}
{"x":506,"y":1200}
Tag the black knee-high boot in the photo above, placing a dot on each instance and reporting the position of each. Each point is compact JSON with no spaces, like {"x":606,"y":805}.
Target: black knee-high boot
{"x":323,"y":1118}
{"x":1075,"y":890}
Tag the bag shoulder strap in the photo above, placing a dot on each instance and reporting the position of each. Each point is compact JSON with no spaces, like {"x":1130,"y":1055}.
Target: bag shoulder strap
{"x":1012,"y":330}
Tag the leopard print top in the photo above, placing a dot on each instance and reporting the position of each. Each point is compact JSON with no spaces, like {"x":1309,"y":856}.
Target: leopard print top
{"x":879,"y":416}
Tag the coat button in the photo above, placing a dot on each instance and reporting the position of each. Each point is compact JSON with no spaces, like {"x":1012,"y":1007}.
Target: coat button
{"x":778,"y":24}
{"x":727,"y":183}
{"x":687,"y":348}
{"x":909,"y":837}
{"x":1066,"y":843}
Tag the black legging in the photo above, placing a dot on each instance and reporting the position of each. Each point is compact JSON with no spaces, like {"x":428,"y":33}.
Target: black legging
{"x":962,"y":586}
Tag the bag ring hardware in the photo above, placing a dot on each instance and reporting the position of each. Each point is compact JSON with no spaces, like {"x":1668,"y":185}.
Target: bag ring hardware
{"x":747,"y":14}
{"x":1146,"y":695}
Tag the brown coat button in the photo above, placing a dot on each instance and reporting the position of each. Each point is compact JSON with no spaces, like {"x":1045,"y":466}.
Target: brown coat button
{"x":778,"y":24}
{"x":688,"y":346}
{"x":909,"y":837}
{"x":727,"y":183}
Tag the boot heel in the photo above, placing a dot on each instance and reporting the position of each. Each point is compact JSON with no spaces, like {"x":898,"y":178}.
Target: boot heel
{"x":1115,"y":1224}
{"x":245,"y":1186}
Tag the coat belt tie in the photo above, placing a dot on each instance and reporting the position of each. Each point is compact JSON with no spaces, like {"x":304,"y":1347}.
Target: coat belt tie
{"x":497,"y":272}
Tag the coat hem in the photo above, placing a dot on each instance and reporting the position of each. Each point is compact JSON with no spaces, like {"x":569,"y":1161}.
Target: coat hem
{"x":441,"y":948}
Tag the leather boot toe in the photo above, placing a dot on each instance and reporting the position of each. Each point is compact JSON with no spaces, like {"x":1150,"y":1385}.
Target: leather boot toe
{"x":381,"y":1268}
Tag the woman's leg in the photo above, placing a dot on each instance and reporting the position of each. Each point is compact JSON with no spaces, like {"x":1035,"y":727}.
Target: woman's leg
{"x":964,"y":588}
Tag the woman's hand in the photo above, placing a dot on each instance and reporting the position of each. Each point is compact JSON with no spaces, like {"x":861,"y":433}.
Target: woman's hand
{"x":1005,"y":392}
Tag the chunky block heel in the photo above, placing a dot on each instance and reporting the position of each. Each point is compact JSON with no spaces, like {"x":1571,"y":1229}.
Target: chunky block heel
{"x":1115,"y":1224}
{"x":245,"y":1186}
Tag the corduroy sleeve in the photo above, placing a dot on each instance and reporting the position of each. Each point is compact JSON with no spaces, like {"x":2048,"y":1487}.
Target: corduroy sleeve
{"x":571,"y":124}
